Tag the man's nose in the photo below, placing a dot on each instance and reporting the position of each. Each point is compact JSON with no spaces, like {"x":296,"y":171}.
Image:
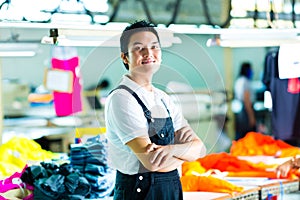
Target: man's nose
{"x":147,"y":51}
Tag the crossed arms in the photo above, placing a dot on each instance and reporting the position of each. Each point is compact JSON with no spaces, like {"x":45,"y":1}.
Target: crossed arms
{"x":187,"y":147}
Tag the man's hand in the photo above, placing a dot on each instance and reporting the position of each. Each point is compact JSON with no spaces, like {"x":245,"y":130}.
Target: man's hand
{"x":151,"y":147}
{"x":283,"y":169}
{"x":160,"y":154}
{"x":184,"y":135}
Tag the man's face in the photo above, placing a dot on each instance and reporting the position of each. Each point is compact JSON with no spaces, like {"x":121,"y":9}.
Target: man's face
{"x":144,"y":52}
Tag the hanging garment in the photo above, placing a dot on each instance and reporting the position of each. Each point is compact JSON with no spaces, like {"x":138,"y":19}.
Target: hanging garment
{"x":285,"y":114}
{"x":66,"y":59}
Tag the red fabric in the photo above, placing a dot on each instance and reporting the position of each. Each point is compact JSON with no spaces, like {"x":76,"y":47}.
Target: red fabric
{"x":293,"y":85}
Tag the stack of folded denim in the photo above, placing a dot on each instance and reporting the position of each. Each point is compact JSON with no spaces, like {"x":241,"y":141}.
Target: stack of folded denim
{"x":52,"y":181}
{"x":90,"y":159}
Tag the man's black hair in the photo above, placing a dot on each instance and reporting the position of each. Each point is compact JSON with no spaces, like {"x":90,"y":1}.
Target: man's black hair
{"x":245,"y":67}
{"x":137,"y":26}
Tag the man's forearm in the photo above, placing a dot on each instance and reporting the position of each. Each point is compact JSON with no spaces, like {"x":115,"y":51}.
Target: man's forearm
{"x":189,"y":151}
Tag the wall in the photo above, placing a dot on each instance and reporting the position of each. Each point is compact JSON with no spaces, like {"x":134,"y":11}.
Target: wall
{"x":190,"y":62}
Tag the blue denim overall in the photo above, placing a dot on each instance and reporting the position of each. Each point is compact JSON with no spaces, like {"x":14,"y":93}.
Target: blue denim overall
{"x":150,"y":185}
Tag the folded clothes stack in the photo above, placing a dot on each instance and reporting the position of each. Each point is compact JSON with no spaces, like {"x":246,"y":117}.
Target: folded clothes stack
{"x":52,"y":181}
{"x":90,"y":159}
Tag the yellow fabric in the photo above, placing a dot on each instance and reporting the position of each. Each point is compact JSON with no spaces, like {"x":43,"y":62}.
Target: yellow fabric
{"x":18,"y":152}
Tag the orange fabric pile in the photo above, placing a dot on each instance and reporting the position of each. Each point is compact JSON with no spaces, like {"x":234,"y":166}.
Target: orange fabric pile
{"x":252,"y":144}
{"x":236,"y":167}
{"x":208,"y":184}
{"x":259,"y":144}
{"x":193,"y":179}
{"x":226,"y":162}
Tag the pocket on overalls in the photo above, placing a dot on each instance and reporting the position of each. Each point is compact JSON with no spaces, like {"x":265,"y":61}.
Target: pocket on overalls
{"x":166,"y":135}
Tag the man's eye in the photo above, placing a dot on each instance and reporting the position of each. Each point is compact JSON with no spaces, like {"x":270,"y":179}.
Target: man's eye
{"x":137,"y":48}
{"x":155,"y":47}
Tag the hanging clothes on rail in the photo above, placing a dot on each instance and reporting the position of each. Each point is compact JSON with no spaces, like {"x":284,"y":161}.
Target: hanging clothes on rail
{"x":285,"y":93}
{"x":66,"y":59}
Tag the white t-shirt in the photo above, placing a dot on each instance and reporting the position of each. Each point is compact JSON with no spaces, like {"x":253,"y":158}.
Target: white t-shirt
{"x":241,"y":85}
{"x":125,"y":121}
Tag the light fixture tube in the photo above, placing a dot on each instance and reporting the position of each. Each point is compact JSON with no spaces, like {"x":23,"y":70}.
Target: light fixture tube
{"x":18,"y":49}
{"x":17,"y":53}
{"x":107,"y":38}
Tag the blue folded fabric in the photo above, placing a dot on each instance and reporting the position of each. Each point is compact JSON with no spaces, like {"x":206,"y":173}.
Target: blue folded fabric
{"x":91,"y":160}
{"x":52,"y":187}
{"x":96,"y":169}
{"x":57,"y":182}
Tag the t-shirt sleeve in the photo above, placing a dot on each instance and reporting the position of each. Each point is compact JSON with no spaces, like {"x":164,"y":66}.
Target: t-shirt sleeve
{"x":241,"y":85}
{"x":245,"y":85}
{"x":126,"y":116}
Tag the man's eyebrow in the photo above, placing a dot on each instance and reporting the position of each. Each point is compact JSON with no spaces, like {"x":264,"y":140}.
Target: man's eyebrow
{"x":137,"y":43}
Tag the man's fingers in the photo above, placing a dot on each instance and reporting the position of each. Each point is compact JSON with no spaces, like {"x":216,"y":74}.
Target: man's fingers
{"x":278,"y":174}
{"x":151,"y":147}
{"x":186,"y":137}
{"x":156,"y":158}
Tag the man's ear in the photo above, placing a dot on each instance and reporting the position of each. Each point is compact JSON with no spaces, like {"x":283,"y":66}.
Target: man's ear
{"x":124,"y":58}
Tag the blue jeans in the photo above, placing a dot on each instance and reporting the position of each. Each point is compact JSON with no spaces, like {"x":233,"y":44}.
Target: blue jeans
{"x":148,"y":186}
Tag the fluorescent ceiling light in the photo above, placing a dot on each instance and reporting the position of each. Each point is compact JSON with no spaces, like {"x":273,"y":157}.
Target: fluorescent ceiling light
{"x":255,"y":43}
{"x":104,"y":38}
{"x":17,"y":49}
{"x":181,"y":27}
{"x":88,"y":42}
{"x":17,"y":46}
{"x":258,"y":34}
{"x":17,"y":53}
{"x":249,"y":42}
{"x":254,"y":38}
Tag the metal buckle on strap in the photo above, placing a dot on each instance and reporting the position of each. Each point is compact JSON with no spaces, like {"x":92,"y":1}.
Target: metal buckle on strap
{"x":147,"y":114}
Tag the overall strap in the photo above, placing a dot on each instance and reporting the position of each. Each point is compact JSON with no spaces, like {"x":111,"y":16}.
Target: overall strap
{"x":165,"y":106}
{"x":147,"y":112}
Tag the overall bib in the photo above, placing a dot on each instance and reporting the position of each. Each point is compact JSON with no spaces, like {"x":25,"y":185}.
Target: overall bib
{"x":150,"y":185}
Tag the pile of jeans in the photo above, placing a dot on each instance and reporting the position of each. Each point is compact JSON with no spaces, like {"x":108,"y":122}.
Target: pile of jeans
{"x":52,"y":181}
{"x":90,"y":159}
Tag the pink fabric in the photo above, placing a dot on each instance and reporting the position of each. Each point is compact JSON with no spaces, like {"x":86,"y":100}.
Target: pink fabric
{"x":68,"y":103}
{"x":14,"y":182}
